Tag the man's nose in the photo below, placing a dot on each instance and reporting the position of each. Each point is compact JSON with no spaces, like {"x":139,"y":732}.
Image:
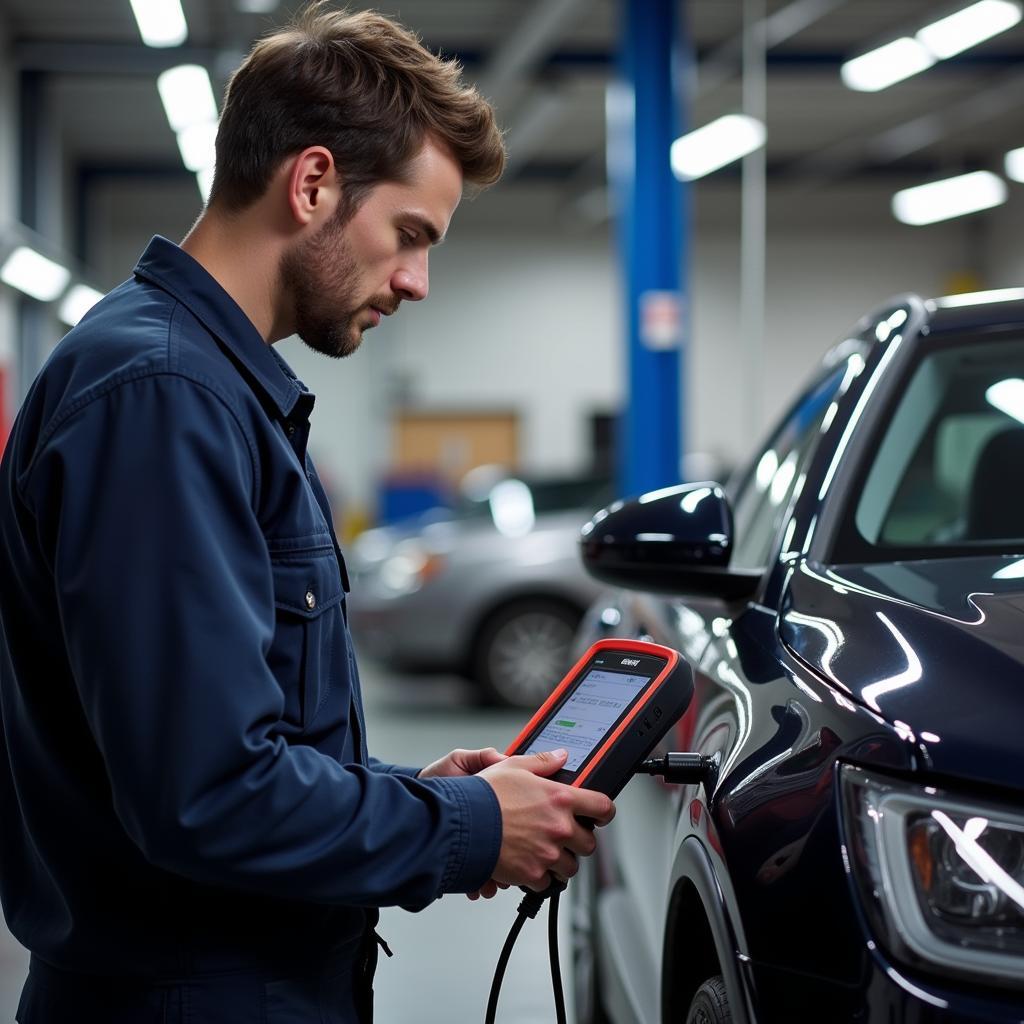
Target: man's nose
{"x":411,"y":280}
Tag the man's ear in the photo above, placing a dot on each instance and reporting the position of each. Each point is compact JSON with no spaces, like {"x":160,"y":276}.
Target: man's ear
{"x":312,"y":185}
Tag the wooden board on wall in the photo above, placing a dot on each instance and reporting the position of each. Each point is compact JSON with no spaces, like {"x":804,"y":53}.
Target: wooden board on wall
{"x":450,"y":444}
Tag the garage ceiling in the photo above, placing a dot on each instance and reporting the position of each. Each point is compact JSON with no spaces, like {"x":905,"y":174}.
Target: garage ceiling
{"x":964,"y":113}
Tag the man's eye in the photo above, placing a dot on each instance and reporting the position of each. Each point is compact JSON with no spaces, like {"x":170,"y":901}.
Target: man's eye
{"x":407,"y":237}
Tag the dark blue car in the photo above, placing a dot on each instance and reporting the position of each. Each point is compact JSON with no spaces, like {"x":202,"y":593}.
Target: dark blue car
{"x":853,"y":610}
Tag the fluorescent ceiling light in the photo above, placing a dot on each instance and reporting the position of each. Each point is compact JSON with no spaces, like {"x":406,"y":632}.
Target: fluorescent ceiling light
{"x":187,"y":96}
{"x":161,"y":22}
{"x":889,"y":64}
{"x":978,"y":298}
{"x":967,"y":28}
{"x":196,"y":143}
{"x":952,"y":197}
{"x":716,"y":144}
{"x":78,"y":301}
{"x":35,"y":275}
{"x":1014,"y":164}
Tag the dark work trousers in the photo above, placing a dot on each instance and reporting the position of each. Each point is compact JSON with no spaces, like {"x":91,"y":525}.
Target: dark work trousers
{"x":336,"y":992}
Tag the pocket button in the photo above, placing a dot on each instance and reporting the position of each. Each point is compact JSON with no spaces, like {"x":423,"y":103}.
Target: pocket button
{"x":310,"y":600}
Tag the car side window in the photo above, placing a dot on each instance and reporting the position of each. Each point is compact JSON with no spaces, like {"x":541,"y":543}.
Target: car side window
{"x":943,"y":471}
{"x":764,"y":495}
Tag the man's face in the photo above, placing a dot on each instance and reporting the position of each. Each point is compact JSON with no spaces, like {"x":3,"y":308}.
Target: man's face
{"x":352,"y":272}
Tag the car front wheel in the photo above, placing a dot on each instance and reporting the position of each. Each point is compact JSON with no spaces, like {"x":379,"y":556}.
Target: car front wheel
{"x":523,"y":650}
{"x":710,"y":1004}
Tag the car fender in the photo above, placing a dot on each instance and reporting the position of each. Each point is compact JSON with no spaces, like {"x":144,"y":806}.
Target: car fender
{"x":693,"y":865}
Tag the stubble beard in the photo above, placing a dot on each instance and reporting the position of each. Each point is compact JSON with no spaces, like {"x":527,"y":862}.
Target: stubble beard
{"x":322,"y":277}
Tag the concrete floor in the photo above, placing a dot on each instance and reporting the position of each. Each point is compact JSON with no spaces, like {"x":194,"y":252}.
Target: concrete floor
{"x":444,"y":957}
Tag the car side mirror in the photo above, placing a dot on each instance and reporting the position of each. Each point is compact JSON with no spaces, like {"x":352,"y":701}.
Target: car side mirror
{"x":677,"y":540}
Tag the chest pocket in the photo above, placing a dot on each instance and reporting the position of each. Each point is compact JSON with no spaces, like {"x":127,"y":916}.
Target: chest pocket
{"x":309,"y":631}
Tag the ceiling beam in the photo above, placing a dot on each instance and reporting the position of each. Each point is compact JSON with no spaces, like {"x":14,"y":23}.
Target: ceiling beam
{"x":99,"y":58}
{"x":723,"y":64}
{"x":538,"y":33}
{"x":902,"y":140}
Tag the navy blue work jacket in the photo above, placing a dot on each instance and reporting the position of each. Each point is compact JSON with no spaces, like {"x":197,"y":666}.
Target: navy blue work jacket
{"x":184,"y":781}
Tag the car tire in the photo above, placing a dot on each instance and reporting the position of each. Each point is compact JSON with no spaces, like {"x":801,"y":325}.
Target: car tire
{"x":583,"y":928}
{"x":710,"y":1005}
{"x":523,"y":650}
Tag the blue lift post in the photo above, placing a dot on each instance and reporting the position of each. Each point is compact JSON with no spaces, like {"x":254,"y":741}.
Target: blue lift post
{"x":645,"y":115}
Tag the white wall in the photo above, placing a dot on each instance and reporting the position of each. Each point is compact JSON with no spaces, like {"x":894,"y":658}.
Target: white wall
{"x":1006,"y":249}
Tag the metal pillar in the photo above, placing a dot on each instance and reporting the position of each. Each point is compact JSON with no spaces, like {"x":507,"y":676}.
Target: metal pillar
{"x":753,"y":221}
{"x":644,"y":117}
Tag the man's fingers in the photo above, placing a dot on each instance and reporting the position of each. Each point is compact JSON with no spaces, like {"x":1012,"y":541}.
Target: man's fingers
{"x":547,"y":762}
{"x":582,"y":841}
{"x":489,"y":756}
{"x":487,"y":890}
{"x":566,"y":866}
{"x":596,"y":806}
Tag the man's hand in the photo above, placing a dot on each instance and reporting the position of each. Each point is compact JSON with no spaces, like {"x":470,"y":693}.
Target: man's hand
{"x":462,"y":762}
{"x":541,"y":832}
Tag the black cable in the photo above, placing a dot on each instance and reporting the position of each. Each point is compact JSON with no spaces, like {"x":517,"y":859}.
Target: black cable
{"x":499,"y":971}
{"x":528,"y":907}
{"x":556,"y":971}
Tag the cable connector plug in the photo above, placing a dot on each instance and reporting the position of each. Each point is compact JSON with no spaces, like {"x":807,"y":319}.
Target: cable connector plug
{"x":533,"y":901}
{"x":680,"y":767}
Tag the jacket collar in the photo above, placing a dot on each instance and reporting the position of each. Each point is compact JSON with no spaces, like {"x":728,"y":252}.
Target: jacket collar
{"x":171,"y":268}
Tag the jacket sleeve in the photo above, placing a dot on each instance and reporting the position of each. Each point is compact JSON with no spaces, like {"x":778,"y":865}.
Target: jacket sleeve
{"x":394,"y":769}
{"x":144,"y":499}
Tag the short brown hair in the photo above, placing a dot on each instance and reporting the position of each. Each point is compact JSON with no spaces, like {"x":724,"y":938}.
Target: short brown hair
{"x":362,"y":86}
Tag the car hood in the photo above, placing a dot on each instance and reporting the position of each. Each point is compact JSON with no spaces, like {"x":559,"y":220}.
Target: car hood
{"x":934,"y":647}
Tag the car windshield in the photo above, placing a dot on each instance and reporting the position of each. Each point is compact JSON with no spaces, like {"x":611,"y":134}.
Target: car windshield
{"x":943,"y":479}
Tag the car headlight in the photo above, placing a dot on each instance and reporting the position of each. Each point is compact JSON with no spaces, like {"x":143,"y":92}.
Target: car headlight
{"x":942,"y":877}
{"x":408,"y":568}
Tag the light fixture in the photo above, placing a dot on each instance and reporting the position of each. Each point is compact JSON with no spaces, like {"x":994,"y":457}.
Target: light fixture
{"x":187,"y":96}
{"x":161,"y":22}
{"x":895,"y":61}
{"x":196,"y":143}
{"x":1014,"y":164}
{"x":714,"y":145}
{"x":951,"y":197}
{"x":968,"y":27}
{"x":887,"y":65}
{"x":78,"y":301}
{"x":35,"y":275}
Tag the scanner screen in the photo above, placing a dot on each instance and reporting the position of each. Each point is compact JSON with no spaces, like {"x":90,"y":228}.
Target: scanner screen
{"x":588,"y":715}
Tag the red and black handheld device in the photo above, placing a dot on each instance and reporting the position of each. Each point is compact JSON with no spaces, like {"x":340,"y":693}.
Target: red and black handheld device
{"x":609,"y":712}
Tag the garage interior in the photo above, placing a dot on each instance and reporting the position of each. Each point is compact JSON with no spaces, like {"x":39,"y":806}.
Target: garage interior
{"x":522,"y":355}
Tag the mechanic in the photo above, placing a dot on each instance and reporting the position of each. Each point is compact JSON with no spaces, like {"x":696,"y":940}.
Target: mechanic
{"x":191,"y":828}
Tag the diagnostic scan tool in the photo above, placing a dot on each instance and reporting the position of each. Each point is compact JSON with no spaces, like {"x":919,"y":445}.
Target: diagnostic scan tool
{"x":609,"y":712}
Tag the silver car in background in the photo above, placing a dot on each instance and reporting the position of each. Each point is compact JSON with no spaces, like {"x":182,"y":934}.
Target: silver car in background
{"x":493,"y":589}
